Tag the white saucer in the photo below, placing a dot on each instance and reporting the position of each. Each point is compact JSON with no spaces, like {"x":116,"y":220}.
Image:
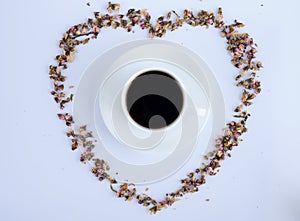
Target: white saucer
{"x":136,"y":154}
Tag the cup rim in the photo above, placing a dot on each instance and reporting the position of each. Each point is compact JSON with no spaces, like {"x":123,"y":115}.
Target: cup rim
{"x":125,"y":91}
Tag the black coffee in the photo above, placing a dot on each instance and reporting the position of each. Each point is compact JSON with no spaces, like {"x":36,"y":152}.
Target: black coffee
{"x":154,"y":99}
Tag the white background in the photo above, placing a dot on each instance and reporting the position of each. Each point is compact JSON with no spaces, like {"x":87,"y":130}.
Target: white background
{"x":42,"y":179}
